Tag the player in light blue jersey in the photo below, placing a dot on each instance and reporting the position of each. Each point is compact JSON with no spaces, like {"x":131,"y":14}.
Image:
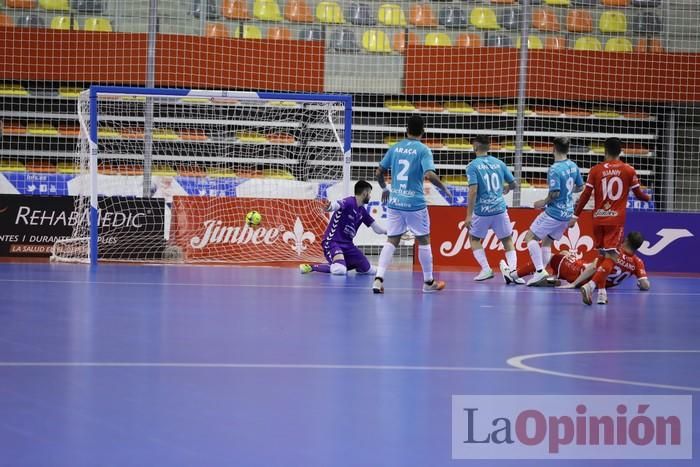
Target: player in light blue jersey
{"x":489,"y":181}
{"x":564,"y":179}
{"x":409,"y":162}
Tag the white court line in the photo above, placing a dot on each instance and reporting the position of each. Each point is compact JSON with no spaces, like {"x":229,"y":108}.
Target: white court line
{"x":314,"y":286}
{"x":517,"y":362}
{"x":279,"y":366}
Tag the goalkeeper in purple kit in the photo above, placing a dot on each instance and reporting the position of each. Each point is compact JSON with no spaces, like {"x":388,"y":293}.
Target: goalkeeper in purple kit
{"x":338,"y":247}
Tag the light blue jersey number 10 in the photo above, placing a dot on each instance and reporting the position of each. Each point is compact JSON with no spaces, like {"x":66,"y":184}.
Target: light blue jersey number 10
{"x":493,"y":183}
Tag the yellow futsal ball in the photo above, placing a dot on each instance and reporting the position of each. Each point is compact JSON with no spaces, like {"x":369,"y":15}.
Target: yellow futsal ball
{"x":253,"y":218}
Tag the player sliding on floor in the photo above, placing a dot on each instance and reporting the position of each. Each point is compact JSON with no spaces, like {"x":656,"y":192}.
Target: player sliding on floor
{"x":568,"y":267}
{"x":564,"y":179}
{"x":611,"y":180}
{"x":338,"y":247}
{"x":409,"y":161}
{"x":489,"y":181}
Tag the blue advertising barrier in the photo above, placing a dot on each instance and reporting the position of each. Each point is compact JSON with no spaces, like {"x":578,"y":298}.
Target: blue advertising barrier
{"x":671,"y":240}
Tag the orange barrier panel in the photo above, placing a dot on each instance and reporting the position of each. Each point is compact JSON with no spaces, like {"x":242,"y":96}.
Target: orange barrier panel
{"x":184,"y":61}
{"x":581,"y":75}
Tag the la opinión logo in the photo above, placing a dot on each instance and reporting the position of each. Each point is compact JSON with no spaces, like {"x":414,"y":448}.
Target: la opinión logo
{"x":571,"y":427}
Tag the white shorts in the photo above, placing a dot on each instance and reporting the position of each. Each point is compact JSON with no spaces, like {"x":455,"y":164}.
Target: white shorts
{"x":546,"y":226}
{"x":398,"y":222}
{"x":499,"y":223}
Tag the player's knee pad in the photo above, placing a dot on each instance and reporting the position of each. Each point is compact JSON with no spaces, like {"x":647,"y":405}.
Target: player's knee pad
{"x":338,"y":269}
{"x":372,"y":270}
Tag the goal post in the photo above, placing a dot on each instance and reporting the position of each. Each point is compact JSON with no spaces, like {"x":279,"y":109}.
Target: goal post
{"x":215,"y":155}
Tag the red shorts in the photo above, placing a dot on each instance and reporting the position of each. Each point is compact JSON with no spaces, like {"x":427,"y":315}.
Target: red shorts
{"x":607,"y":237}
{"x":566,"y":268}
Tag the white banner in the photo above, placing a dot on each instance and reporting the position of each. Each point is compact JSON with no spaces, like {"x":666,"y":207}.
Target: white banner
{"x":572,"y":427}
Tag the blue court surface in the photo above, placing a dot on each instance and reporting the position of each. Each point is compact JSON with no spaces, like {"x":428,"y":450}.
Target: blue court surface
{"x":233,"y":366}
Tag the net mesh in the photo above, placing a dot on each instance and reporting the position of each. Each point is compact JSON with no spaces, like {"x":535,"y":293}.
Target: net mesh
{"x":594,"y":68}
{"x":212,"y":161}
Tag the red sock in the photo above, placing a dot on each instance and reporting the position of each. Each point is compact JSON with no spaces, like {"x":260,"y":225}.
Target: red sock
{"x":605,"y":266}
{"x":526,"y":269}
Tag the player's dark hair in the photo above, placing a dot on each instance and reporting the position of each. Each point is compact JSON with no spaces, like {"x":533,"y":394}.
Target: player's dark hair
{"x":561,"y":145}
{"x":635,"y":240}
{"x":415,"y":125}
{"x":482,"y":142}
{"x":613,"y":147}
{"x":362,"y":186}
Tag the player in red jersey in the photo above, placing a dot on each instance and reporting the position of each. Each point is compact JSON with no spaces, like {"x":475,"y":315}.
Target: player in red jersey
{"x":611,"y":180}
{"x":627,"y":264}
{"x":566,"y":266}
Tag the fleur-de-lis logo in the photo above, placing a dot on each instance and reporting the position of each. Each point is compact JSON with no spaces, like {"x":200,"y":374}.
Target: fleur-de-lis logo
{"x":298,"y":236}
{"x":574,"y":241}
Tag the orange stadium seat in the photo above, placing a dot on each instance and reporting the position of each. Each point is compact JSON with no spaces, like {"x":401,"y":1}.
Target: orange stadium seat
{"x":20,"y":3}
{"x":421,"y":14}
{"x":579,"y":21}
{"x":217,"y":30}
{"x":235,"y":9}
{"x":655,"y":46}
{"x":6,"y":21}
{"x":468,"y":40}
{"x":401,"y":40}
{"x":545,"y":19}
{"x":298,"y":11}
{"x":279,"y":34}
{"x":616,"y":2}
{"x":555,"y":42}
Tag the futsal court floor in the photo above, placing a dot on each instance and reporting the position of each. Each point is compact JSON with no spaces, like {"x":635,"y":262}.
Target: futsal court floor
{"x":241,"y":366}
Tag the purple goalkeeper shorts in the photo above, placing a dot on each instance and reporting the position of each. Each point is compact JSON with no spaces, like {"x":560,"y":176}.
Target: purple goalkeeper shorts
{"x":354,"y":258}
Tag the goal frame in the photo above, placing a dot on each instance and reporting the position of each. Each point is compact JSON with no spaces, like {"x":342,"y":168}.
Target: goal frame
{"x":92,"y":138}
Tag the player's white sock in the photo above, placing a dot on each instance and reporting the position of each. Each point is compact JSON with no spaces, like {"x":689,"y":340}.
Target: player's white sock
{"x":425,"y":256}
{"x":480,"y":256}
{"x":546,"y":255}
{"x":536,"y":254}
{"x":372,"y":270}
{"x":512,"y":259}
{"x":338,"y":269}
{"x":385,"y":258}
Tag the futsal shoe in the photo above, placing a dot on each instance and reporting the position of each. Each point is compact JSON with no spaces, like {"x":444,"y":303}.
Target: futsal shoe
{"x":484,"y":275}
{"x":505,"y":272}
{"x":553,"y":282}
{"x":378,"y":285}
{"x":434,"y":287}
{"x":508,"y":275}
{"x":305,"y":268}
{"x":602,"y":297}
{"x":587,"y":294}
{"x":538,"y":278}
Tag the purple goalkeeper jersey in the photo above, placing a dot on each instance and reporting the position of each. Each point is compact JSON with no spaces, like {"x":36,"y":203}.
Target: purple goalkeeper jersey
{"x":345,"y":221}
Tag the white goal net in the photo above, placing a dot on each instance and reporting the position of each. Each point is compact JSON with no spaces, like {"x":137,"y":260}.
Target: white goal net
{"x":173,"y":176}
